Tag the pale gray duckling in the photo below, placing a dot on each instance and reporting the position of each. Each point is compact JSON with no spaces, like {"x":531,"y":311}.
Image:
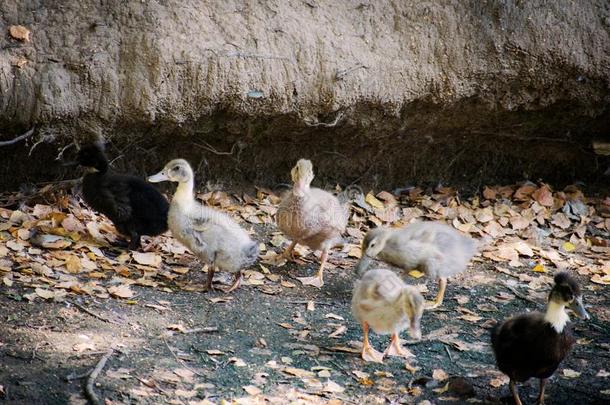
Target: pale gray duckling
{"x":383,"y":302}
{"x":312,"y":217}
{"x":439,"y":250}
{"x":209,"y":234}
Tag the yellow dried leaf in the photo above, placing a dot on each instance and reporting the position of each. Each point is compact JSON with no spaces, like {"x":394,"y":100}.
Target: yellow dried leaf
{"x":539,"y":268}
{"x":411,"y":369}
{"x":416,"y":274}
{"x":374,"y":202}
{"x":73,"y":264}
{"x":568,"y":246}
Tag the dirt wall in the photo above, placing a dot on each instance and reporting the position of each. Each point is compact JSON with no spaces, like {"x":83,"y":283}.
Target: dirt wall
{"x":387,"y":91}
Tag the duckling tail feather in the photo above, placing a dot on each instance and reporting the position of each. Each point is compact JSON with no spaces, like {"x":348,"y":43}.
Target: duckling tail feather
{"x":251,"y":253}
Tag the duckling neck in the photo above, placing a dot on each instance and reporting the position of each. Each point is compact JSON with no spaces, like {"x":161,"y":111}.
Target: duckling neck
{"x":300,"y":189}
{"x":184,"y":193}
{"x":556,"y":316}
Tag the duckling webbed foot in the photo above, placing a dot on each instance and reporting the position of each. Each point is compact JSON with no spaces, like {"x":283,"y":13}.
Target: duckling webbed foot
{"x":368,"y":352}
{"x":513,"y":390}
{"x":236,"y":283}
{"x":208,"y":284}
{"x":396,"y":349}
{"x":134,"y":243}
{"x":318,"y":279}
{"x":372,"y":355}
{"x":541,"y":394}
{"x":438,"y":301}
{"x":289,"y":252}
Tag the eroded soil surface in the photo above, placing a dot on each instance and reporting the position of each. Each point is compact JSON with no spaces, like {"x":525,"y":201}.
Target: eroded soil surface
{"x":273,"y":340}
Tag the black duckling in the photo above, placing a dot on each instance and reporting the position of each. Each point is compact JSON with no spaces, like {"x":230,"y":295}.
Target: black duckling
{"x":534,"y":344}
{"x":134,"y":206}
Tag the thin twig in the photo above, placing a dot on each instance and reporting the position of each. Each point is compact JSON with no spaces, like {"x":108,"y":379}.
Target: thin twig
{"x":449,"y":353}
{"x":210,"y":148}
{"x":344,"y":72}
{"x":93,"y":398}
{"x":207,"y":329}
{"x":19,"y":138}
{"x":340,"y":367}
{"x":316,"y":123}
{"x":522,"y":296}
{"x":307,"y":302}
{"x":93,"y":314}
{"x":179,"y":360}
{"x":72,"y":377}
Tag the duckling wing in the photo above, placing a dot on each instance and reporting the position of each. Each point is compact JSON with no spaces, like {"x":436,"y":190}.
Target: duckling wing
{"x":116,"y":198}
{"x":313,"y":219}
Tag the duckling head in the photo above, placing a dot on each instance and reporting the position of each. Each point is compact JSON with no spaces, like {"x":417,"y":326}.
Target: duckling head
{"x":373,"y":243}
{"x":413,"y":305}
{"x":92,"y":157}
{"x":302,"y":176}
{"x":177,"y":170}
{"x":566,"y":292}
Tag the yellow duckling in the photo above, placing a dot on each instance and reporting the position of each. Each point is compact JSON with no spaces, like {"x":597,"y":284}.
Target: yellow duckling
{"x":211,"y":235}
{"x":383,"y":302}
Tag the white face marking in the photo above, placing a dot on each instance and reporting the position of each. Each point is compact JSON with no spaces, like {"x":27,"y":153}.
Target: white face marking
{"x":556,"y":316}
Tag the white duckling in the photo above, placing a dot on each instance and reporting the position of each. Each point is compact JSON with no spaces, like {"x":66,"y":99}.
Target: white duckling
{"x":312,"y":217}
{"x":211,"y":235}
{"x":383,"y":302}
{"x":437,"y":249}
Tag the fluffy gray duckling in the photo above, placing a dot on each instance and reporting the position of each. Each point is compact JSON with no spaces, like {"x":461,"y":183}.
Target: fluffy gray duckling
{"x":383,"y":302}
{"x":437,"y":249}
{"x":312,"y":217}
{"x":211,"y":235}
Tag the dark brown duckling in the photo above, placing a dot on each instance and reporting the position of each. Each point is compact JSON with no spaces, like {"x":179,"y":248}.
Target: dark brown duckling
{"x":533,"y":345}
{"x":134,"y":206}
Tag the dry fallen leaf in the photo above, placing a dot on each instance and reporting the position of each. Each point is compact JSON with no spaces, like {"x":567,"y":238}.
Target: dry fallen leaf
{"x":332,"y":386}
{"x":569,"y":373}
{"x":148,"y":259}
{"x":499,"y":381}
{"x":20,"y":32}
{"x":214,"y":352}
{"x":121,"y":291}
{"x":252,"y":390}
{"x":439,"y":374}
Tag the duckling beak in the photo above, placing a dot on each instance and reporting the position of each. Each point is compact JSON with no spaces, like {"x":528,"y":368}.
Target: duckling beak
{"x":363,"y":264}
{"x":159,"y":177}
{"x":579,"y":309}
{"x":415,"y":329}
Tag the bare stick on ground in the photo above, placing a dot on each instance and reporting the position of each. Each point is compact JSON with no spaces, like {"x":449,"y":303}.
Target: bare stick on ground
{"x":179,"y":360}
{"x":19,"y":138}
{"x":91,"y":395}
{"x":93,"y":314}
